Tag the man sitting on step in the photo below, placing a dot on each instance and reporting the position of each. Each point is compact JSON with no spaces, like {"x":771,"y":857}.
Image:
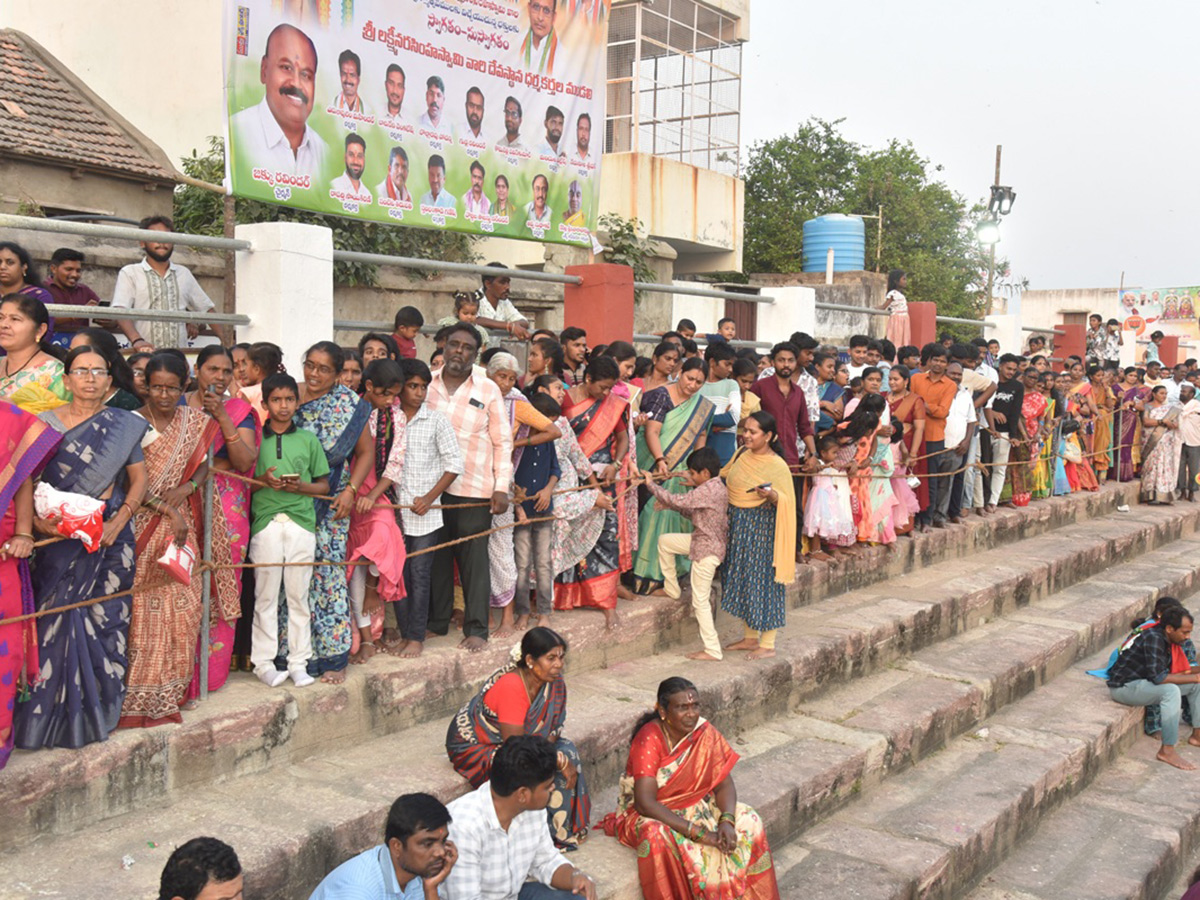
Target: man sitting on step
{"x":202,"y":869}
{"x":1153,"y":670}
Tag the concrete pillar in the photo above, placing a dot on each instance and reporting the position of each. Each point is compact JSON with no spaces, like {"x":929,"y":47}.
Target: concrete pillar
{"x":1129,"y":348}
{"x":923,"y":318}
{"x":603,"y":305}
{"x":285,"y":286}
{"x":1006,"y":328}
{"x":794,"y":309}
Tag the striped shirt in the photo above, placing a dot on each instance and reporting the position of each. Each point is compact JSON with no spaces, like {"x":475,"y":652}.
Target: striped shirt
{"x":477,"y":414}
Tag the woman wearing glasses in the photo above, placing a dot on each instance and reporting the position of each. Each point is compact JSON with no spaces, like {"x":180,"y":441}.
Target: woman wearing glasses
{"x":82,"y":652}
{"x":338,"y":417}
{"x":166,"y":614}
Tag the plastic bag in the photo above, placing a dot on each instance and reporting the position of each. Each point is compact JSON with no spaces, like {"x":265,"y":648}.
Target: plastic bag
{"x":178,"y":562}
{"x":79,"y":516}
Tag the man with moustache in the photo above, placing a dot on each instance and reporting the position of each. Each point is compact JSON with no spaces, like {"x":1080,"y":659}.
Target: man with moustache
{"x":66,"y":267}
{"x":583,"y":141}
{"x":157,"y":283}
{"x":350,"y":181}
{"x":416,"y":856}
{"x":536,"y":210}
{"x":436,"y":196}
{"x":541,"y":41}
{"x":474,"y":129}
{"x":350,"y":73}
{"x":275,"y":133}
{"x":435,"y":101}
{"x":475,"y":200}
{"x":393,"y":87}
{"x":552,"y":146}
{"x":395,"y":186}
{"x":512,"y":125}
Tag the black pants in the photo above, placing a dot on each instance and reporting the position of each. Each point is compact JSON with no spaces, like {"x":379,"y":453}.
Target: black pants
{"x":472,"y":559}
{"x":412,"y":613}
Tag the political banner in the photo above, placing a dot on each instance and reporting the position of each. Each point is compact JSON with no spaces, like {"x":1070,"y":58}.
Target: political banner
{"x":465,"y":115}
{"x":1171,"y":310}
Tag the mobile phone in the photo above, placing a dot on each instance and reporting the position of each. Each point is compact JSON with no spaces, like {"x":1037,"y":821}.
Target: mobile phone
{"x":760,"y":487}
{"x":293,"y":476}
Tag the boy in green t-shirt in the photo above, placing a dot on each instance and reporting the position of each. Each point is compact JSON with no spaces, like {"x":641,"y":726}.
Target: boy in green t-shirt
{"x":283,"y":530}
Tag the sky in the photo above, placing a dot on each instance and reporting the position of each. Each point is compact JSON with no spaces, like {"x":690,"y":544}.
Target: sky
{"x":1093,"y":101}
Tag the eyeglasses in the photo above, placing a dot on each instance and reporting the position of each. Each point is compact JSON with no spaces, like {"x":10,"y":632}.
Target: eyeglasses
{"x":320,"y":370}
{"x":162,"y":389}
{"x":85,"y":373}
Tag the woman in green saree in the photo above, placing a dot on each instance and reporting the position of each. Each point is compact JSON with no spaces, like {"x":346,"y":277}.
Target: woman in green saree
{"x":677,"y":420}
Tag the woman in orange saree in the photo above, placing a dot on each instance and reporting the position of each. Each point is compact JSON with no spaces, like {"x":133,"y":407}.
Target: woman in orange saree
{"x":678,"y":809}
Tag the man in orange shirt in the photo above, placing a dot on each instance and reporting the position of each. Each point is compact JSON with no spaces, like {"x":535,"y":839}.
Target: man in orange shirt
{"x":938,"y":392}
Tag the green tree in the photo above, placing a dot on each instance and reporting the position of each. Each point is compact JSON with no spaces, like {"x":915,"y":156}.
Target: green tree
{"x":200,"y":211}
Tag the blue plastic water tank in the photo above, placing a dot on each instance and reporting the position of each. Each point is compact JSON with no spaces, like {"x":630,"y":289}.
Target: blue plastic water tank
{"x":845,"y":234}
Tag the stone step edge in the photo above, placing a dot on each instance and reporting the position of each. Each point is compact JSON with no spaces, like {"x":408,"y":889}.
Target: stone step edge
{"x":330,"y":830}
{"x":151,"y":795}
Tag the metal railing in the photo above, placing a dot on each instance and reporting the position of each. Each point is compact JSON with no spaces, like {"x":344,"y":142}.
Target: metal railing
{"x":121,"y":233}
{"x":182,"y":316}
{"x":714,"y":293}
{"x":846,"y":307}
{"x":412,"y":262}
{"x":954,"y":320}
{"x":657,"y":339}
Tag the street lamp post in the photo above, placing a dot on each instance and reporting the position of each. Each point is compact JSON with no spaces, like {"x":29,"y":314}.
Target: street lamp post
{"x":988,"y":231}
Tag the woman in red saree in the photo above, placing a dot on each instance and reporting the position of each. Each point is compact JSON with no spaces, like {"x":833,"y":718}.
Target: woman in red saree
{"x":599,"y":418}
{"x":27,"y":444}
{"x":678,"y":808}
{"x":165,"y":621}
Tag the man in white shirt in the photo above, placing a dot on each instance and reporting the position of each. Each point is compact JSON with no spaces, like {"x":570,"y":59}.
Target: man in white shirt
{"x":541,"y":41}
{"x":350,"y":181}
{"x":513,"y":116}
{"x":395,"y":186}
{"x":496,"y":311}
{"x":501,"y":836}
{"x":960,"y":431}
{"x":474,"y":126}
{"x":859,"y":344}
{"x":552,"y":148}
{"x":435,"y":101}
{"x":536,"y":210}
{"x":1189,"y":435}
{"x":157,"y":283}
{"x":350,"y":72}
{"x":1175,"y":382}
{"x":275,"y":133}
{"x":583,"y":141}
{"x":435,"y":196}
{"x":475,"y":200}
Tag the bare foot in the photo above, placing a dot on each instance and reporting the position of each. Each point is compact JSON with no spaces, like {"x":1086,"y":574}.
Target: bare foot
{"x":473,"y":644}
{"x":334,"y":677}
{"x":822,"y":556}
{"x":612,"y":619}
{"x":543,"y":622}
{"x":703,"y":656}
{"x":625,"y":593}
{"x":391,"y":641}
{"x":761,"y":653}
{"x":412,"y":649}
{"x":456,"y":619}
{"x":658,"y":592}
{"x":1194,"y":740}
{"x":522,"y":622}
{"x":743,"y":644}
{"x":1171,"y":758}
{"x":190,"y":705}
{"x":506,"y":626}
{"x":366,"y":650}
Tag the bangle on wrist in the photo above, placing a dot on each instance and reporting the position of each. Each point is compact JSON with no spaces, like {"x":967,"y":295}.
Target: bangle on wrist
{"x":23,"y":534}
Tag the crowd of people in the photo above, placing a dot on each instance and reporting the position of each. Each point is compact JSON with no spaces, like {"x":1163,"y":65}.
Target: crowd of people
{"x":378,"y":502}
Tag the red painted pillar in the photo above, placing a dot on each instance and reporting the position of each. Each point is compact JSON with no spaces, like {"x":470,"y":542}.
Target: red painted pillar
{"x":923,"y":316}
{"x":603,"y":304}
{"x":1168,"y":351}
{"x":1070,"y":340}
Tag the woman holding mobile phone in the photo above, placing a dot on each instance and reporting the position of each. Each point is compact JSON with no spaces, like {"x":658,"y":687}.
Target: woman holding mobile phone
{"x":756,"y":572}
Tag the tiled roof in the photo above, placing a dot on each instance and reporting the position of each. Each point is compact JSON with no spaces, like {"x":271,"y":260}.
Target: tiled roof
{"x":47,"y":113}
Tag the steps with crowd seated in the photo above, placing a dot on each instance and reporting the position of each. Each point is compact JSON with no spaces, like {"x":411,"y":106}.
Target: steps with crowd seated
{"x":245,"y":728}
{"x":867,"y":686}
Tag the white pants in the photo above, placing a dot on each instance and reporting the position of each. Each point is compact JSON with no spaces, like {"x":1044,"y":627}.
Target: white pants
{"x":1000,"y":447}
{"x":672,"y":545}
{"x":282,"y":541}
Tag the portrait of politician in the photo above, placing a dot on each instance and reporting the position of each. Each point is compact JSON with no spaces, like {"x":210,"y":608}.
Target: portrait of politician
{"x":536,"y":209}
{"x":393,"y":87}
{"x":552,"y":145}
{"x":512,"y":124}
{"x":435,"y":102}
{"x":473,"y":129}
{"x":583,"y":141}
{"x":350,"y":73}
{"x":541,"y":41}
{"x":475,"y":200}
{"x":275,"y":134}
{"x":395,"y":186}
{"x":573,"y":215}
{"x":350,"y":181}
{"x":436,"y":196}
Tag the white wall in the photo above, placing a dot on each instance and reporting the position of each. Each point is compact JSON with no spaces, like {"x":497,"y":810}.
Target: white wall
{"x":794,"y":309}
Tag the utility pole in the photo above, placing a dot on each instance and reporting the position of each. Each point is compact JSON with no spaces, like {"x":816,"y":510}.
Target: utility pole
{"x":992,"y":265}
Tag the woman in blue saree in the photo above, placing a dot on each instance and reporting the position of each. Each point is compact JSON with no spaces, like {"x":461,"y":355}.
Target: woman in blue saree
{"x":77,"y":697}
{"x":338,"y":417}
{"x":677,"y":423}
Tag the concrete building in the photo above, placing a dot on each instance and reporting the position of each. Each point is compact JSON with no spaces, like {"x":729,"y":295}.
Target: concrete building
{"x":64,"y":150}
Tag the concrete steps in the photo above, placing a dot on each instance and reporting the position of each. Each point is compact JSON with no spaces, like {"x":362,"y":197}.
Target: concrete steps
{"x":247,"y":729}
{"x":867,"y":685}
